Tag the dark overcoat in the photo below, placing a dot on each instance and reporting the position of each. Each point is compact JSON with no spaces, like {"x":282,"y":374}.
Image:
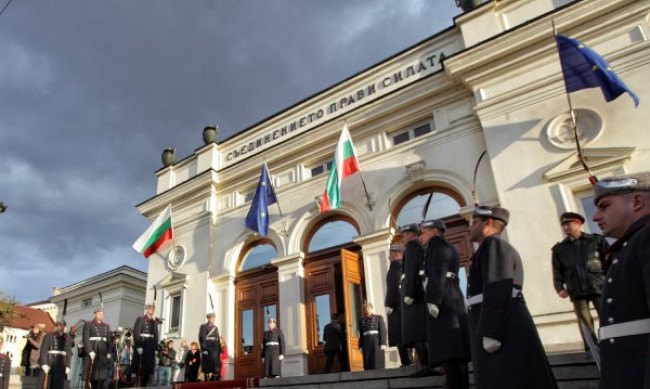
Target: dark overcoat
{"x":145,"y":336}
{"x":448,"y":334}
{"x":334,"y":337}
{"x":415,"y":315}
{"x":210,"y":348}
{"x":521,"y":361}
{"x":393,"y":300}
{"x":56,"y":352}
{"x":101,"y":335}
{"x":625,"y":360}
{"x":577,"y":265}
{"x":272,"y":348}
{"x":371,"y":337}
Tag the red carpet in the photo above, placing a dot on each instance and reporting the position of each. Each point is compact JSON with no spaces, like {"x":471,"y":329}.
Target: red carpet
{"x":233,"y":384}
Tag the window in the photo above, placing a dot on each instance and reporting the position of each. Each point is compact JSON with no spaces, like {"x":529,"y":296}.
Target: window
{"x":411,"y":134}
{"x":332,"y":234}
{"x":323,"y":315}
{"x":258,"y":255}
{"x":247,"y":342}
{"x":86,"y":303}
{"x":321,"y":168}
{"x":441,"y":205}
{"x":249,"y":196}
{"x":175,"y":313}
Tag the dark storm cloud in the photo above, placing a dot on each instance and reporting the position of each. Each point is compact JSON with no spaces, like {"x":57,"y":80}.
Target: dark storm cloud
{"x":91,"y":92}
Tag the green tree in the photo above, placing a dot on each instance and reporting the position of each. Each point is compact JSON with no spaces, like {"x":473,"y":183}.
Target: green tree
{"x":7,"y":312}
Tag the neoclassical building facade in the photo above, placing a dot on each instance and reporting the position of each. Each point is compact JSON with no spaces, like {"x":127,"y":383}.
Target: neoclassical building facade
{"x":420,"y":122}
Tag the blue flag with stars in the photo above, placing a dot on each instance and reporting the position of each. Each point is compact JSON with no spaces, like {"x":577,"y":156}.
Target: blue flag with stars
{"x":584,"y":68}
{"x":258,"y":216}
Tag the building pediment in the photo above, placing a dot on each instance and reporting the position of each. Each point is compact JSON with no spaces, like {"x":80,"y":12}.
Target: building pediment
{"x":598,"y":159}
{"x":174,"y":280}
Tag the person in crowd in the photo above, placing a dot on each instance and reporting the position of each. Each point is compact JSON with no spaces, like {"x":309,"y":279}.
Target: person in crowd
{"x":192,"y":363}
{"x":145,"y":343}
{"x":372,"y":339}
{"x":447,"y":328}
{"x":56,"y":354}
{"x":334,"y":339}
{"x":179,"y":369}
{"x":96,"y":337}
{"x":210,"y":348}
{"x":5,"y":366}
{"x":166,"y":360}
{"x":578,"y":272}
{"x":623,"y":213}
{"x":223,"y":357}
{"x":272,"y":350}
{"x":393,"y":304}
{"x":24,"y":360}
{"x":506,"y":349}
{"x":35,"y":340}
{"x":414,"y":305}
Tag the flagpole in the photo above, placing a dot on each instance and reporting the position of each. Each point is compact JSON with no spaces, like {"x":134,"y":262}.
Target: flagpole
{"x":368,"y":203}
{"x":277,"y":201}
{"x":574,"y":124}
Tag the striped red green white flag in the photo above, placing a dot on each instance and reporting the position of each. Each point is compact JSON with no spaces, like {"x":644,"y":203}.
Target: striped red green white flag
{"x":156,"y":235}
{"x":345,"y":164}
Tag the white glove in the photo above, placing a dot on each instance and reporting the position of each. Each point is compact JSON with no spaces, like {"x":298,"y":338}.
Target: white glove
{"x":433,"y":310}
{"x":67,"y":370}
{"x":92,"y":355}
{"x":262,"y":360}
{"x":382,"y":347}
{"x":389,"y":310}
{"x":109,"y":356}
{"x":408,"y":300}
{"x":281,"y":357}
{"x":491,"y":345}
{"x":46,"y":369}
{"x":139,"y":350}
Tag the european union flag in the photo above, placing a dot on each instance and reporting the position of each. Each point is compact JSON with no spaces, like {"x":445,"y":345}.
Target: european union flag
{"x":258,"y":216}
{"x":584,"y":68}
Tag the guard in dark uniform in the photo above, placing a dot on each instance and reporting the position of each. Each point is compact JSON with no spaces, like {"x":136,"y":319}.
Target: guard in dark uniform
{"x":272,"y":350}
{"x":56,"y":353}
{"x":210,"y":348}
{"x":372,"y":339}
{"x":334,"y":338}
{"x":577,"y":270}
{"x":447,"y":328}
{"x":506,"y":349}
{"x":414,"y":305}
{"x":145,"y":344}
{"x":95,"y":338}
{"x":393,"y":304}
{"x":5,"y":367}
{"x":623,"y":212}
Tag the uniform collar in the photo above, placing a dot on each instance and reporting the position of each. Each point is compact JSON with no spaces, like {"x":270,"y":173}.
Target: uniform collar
{"x":637,"y":225}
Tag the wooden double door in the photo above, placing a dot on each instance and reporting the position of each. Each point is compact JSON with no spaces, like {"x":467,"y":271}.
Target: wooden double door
{"x":334,"y":284}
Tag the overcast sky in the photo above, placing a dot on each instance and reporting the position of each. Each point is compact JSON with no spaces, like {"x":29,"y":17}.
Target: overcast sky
{"x":91,"y":92}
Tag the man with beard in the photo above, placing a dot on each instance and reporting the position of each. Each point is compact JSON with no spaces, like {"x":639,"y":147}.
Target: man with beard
{"x":56,"y":352}
{"x":506,"y":350}
{"x":414,"y":306}
{"x":210,"y":348}
{"x":393,"y":304}
{"x":145,"y":343}
{"x":623,"y":212}
{"x":447,"y":332}
{"x":96,"y":335}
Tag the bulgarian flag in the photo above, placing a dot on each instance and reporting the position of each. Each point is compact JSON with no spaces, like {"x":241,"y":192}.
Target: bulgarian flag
{"x":156,"y":235}
{"x":345,"y":164}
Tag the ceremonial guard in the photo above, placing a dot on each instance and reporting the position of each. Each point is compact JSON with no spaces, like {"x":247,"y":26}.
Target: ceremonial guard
{"x":393,"y":304}
{"x":414,"y":305}
{"x":145,"y":343}
{"x":334,"y":338}
{"x":5,"y":367}
{"x":372,"y":339}
{"x":578,"y":272}
{"x":56,"y":352}
{"x":623,"y":212}
{"x":95,"y":337}
{"x":506,"y":349}
{"x":210,"y":348}
{"x":447,"y":332}
{"x":272,"y":350}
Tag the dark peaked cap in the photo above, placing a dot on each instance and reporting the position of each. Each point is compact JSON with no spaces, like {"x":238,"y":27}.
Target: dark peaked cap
{"x":571,"y":216}
{"x":436,"y":223}
{"x":413,"y":227}
{"x":497,"y":213}
{"x":639,"y":182}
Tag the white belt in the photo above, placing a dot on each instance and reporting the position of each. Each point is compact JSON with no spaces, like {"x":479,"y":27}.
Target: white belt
{"x":210,"y":338}
{"x":58,"y":352}
{"x":371,"y":332}
{"x":479,"y":297}
{"x":452,"y":275}
{"x":629,"y":328}
{"x":98,"y":338}
{"x":272,"y":343}
{"x":146,"y":335}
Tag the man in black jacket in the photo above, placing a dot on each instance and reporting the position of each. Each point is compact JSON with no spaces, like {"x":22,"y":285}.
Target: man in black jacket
{"x":577,"y":269}
{"x":145,"y":342}
{"x":334,"y":338}
{"x":393,"y":304}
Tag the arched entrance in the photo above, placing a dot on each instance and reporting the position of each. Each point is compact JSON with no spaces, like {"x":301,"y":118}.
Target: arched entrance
{"x":333,"y":284}
{"x":256,"y":291}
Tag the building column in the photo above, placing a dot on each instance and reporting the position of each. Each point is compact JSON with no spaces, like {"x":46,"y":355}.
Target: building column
{"x":291,"y":309}
{"x":224,"y":287}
